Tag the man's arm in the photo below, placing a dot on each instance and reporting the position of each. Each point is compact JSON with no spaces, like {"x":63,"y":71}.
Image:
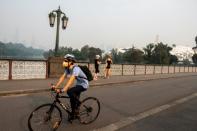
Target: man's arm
{"x":60,"y":80}
{"x":69,"y":83}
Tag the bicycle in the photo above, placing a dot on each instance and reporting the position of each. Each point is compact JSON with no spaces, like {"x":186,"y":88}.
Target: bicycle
{"x":48,"y":116}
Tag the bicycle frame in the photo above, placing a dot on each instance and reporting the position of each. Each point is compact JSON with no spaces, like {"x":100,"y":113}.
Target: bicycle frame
{"x":57,"y":100}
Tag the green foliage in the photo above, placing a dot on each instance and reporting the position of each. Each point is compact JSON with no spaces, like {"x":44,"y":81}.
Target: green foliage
{"x":159,"y":54}
{"x":133,"y":55}
{"x":151,"y":54}
{"x":93,"y":52}
{"x":86,"y":54}
{"x":186,"y":62}
{"x":12,"y":50}
{"x":148,"y":53}
{"x":116,"y":56}
{"x":173,"y":59}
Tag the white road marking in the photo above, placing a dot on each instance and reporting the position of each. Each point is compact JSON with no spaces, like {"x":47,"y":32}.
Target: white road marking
{"x":131,"y":119}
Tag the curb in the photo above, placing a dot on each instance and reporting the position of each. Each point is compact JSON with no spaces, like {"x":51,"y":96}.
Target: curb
{"x":29,"y":91}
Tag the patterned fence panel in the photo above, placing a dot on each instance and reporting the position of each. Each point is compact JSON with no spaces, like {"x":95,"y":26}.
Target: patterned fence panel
{"x":91,"y":67}
{"x":140,"y":69}
{"x":190,"y":69}
{"x":18,"y":69}
{"x":158,"y":69}
{"x":177,"y":69}
{"x":186,"y":69}
{"x":102,"y":69}
{"x":4,"y":70}
{"x":182,"y":69}
{"x":171,"y":69}
{"x":128,"y":69}
{"x":28,"y":70}
{"x":194,"y":69}
{"x":165,"y":69}
{"x":116,"y":69}
{"x":149,"y":69}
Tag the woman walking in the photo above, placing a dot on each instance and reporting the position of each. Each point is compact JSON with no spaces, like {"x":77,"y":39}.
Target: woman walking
{"x":108,"y":66}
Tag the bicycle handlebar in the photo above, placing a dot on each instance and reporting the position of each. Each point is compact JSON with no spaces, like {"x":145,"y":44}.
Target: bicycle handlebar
{"x":57,"y":93}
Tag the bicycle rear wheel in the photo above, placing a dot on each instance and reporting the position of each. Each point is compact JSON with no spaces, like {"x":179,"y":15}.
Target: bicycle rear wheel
{"x":46,"y":117}
{"x":89,"y":110}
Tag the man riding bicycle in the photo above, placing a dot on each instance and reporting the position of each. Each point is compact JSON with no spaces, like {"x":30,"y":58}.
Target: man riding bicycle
{"x":73,"y":72}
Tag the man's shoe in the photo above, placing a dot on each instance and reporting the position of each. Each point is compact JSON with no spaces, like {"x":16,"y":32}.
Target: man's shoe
{"x":70,"y":118}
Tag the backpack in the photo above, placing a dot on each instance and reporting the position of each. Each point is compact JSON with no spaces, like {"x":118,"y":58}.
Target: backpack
{"x":86,"y":71}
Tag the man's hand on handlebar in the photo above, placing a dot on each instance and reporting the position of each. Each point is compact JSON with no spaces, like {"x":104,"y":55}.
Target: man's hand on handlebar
{"x":52,"y":87}
{"x":58,"y":90}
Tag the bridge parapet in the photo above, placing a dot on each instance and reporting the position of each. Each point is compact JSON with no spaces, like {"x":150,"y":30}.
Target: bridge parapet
{"x":41,"y":69}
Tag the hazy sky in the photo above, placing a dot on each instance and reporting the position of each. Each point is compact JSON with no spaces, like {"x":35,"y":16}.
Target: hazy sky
{"x":101,"y":23}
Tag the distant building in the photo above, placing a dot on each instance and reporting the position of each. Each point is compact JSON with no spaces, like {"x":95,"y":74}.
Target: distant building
{"x":122,"y":50}
{"x":183,"y":52}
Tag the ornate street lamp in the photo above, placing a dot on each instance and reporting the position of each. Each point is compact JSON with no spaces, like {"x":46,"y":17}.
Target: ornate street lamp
{"x":64,"y":22}
{"x":196,"y":40}
{"x":195,"y":48}
{"x":52,"y":19}
{"x":52,"y":16}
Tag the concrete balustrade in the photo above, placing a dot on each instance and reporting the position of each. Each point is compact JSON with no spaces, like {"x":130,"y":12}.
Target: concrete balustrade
{"x":23,"y":69}
{"x":41,"y":69}
{"x":4,"y":69}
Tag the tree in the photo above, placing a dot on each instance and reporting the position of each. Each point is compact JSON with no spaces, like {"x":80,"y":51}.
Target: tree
{"x":116,"y":56}
{"x":173,"y":59}
{"x":48,"y":54}
{"x":161,"y":54}
{"x":18,"y":50}
{"x":89,"y":53}
{"x":186,"y":62}
{"x":133,"y":55}
{"x":85,"y":52}
{"x":148,"y":53}
{"x":93,"y":52}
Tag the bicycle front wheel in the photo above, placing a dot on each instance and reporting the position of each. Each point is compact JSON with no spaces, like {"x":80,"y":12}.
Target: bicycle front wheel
{"x":46,"y":117}
{"x":89,"y":110}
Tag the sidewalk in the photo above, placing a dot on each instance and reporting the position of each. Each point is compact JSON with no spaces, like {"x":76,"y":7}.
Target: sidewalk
{"x":9,"y":87}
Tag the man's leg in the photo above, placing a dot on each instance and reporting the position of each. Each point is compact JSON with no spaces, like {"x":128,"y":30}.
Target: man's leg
{"x":74,"y":94}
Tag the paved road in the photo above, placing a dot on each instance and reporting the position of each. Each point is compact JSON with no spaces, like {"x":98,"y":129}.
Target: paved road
{"x":179,"y":118}
{"x":117,"y":102}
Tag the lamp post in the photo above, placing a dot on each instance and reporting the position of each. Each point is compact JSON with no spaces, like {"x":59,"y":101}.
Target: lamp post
{"x":194,"y":57}
{"x":195,"y":48}
{"x":52,"y":16}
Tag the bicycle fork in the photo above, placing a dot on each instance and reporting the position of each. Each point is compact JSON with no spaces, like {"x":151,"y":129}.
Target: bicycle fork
{"x":56,"y":124}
